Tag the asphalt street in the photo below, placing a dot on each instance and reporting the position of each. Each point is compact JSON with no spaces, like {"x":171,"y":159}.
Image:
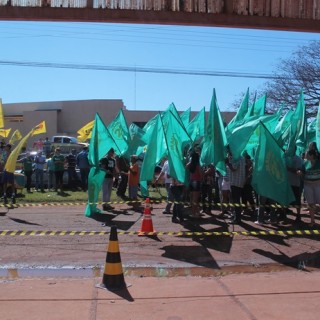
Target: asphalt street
{"x":61,"y":236}
{"x":53,"y":263}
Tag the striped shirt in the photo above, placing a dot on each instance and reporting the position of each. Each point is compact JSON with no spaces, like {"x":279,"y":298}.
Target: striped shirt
{"x":238,"y":173}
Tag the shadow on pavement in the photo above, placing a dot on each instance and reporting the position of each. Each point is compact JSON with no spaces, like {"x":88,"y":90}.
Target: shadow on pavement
{"x":299,"y":261}
{"x":220,"y":243}
{"x":24,"y":222}
{"x":108,"y":220}
{"x":191,"y":254}
{"x":122,"y":293}
{"x":278,"y":239}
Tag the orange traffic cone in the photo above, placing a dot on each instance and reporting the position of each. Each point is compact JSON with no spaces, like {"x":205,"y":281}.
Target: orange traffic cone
{"x":146,"y":226}
{"x":113,"y":278}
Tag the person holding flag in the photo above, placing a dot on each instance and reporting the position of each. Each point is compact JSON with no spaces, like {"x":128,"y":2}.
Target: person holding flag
{"x":8,"y":177}
{"x":311,"y":176}
{"x":108,"y":164}
{"x":194,"y":168}
{"x":177,"y":189}
{"x":11,"y":160}
{"x":133,"y":182}
{"x":237,"y":181}
{"x":27,"y":162}
{"x":165,"y":172}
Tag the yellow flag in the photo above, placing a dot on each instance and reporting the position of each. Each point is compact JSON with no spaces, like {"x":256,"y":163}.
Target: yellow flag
{"x":85,"y":131}
{"x":5,"y":132}
{"x":40,"y":128}
{"x":12,"y":159}
{"x":16,"y":136}
{"x":1,"y":115}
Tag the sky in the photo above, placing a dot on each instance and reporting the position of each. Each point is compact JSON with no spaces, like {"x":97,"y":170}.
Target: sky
{"x":147,"y":66}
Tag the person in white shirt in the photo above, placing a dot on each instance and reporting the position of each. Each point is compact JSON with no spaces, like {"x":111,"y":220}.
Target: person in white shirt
{"x":165,"y":172}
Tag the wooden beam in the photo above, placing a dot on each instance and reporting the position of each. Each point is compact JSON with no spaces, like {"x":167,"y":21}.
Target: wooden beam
{"x":157,"y":17}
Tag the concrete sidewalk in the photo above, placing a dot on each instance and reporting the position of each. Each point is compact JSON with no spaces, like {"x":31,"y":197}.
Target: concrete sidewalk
{"x":278,"y":295}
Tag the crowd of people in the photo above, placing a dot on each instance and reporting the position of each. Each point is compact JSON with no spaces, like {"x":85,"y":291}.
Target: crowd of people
{"x":46,"y":164}
{"x":206,"y":189}
{"x":231,"y":193}
{"x":123,"y":175}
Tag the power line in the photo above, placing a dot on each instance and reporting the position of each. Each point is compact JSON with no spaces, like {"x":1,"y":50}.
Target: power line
{"x":135,"y":69}
{"x":154,"y":35}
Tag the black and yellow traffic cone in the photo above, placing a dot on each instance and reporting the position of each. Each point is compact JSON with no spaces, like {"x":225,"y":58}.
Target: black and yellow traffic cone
{"x":113,"y":278}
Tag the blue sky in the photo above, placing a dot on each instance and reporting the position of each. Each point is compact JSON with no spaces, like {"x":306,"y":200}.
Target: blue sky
{"x":76,"y":59}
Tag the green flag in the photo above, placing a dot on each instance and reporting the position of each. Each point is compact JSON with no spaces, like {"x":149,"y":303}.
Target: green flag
{"x":283,"y":124}
{"x":246,"y":136}
{"x":165,"y":115}
{"x":213,"y":148}
{"x":300,"y":122}
{"x":185,"y":117}
{"x":118,"y":129}
{"x":270,"y":178}
{"x":196,"y":127}
{"x":270,"y":121}
{"x":298,"y":129}
{"x":100,"y":143}
{"x":176,"y":138}
{"x":136,"y":141}
{"x":257,"y":108}
{"x":148,"y":127}
{"x":240,"y":115}
{"x":239,"y":138}
{"x":283,"y":129}
{"x":312,"y":131}
{"x":155,"y":151}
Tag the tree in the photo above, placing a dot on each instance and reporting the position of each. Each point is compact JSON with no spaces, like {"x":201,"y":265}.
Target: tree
{"x":300,"y":72}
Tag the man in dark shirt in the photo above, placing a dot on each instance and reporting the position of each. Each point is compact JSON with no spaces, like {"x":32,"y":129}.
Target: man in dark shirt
{"x":108,"y":164}
{"x":8,"y":177}
{"x":71,"y":161}
{"x":27,"y":170}
{"x":123,"y":165}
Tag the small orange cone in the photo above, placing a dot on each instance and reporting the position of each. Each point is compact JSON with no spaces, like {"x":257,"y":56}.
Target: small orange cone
{"x":113,"y":278}
{"x":147,"y":225}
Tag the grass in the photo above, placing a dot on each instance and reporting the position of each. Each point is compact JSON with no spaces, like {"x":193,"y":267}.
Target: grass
{"x":77,"y":196}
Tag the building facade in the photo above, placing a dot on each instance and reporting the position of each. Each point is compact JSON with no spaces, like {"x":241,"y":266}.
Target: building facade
{"x":67,"y":117}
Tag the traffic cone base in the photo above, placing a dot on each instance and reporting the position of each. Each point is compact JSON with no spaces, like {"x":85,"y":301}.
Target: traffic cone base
{"x":113,"y":283}
{"x":113,"y":278}
{"x":146,"y":225}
